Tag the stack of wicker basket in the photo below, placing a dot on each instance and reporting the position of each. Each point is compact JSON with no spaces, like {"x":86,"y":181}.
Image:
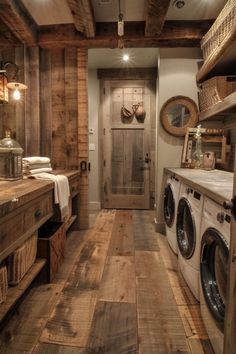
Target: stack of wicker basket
{"x":215,"y":90}
{"x":222,"y":31}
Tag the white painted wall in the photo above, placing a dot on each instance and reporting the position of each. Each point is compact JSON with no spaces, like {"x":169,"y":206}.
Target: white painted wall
{"x":94,"y":155}
{"x":177,"y":76}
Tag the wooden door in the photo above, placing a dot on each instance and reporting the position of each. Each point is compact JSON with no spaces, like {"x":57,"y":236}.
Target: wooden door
{"x":126,"y":145}
{"x":230,"y":320}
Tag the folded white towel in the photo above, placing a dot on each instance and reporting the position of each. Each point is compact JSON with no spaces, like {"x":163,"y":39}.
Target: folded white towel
{"x":61,"y":190}
{"x":36,"y":159}
{"x":34,"y":166}
{"x":38,"y":170}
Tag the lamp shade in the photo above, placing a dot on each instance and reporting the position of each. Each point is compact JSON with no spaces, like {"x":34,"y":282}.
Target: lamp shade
{"x":3,"y":88}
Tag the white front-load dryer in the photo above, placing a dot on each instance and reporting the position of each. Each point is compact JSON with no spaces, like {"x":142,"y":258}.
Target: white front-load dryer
{"x":188,"y":223}
{"x":171,"y":198}
{"x":215,"y":238}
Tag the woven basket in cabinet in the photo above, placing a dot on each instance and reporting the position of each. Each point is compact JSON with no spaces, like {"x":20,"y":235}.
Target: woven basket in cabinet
{"x":3,"y":283}
{"x":19,"y":262}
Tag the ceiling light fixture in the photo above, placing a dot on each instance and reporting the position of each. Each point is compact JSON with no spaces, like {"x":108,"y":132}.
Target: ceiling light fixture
{"x":125,"y":57}
{"x":120,"y":23}
{"x":178,"y":3}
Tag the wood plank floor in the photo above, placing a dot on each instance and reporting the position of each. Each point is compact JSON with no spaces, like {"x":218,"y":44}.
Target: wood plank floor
{"x":118,"y":291}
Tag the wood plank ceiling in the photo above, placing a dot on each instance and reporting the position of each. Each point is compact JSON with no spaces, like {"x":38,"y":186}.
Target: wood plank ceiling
{"x":18,"y":27}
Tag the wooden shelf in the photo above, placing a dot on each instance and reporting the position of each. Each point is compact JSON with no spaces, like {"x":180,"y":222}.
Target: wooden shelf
{"x":15,"y":292}
{"x":224,"y":108}
{"x":70,"y":221}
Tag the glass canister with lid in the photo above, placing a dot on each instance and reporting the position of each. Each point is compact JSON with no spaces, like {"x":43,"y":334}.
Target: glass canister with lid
{"x":10,"y":158}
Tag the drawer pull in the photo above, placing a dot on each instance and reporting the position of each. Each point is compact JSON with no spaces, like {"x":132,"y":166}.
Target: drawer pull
{"x":38,"y":213}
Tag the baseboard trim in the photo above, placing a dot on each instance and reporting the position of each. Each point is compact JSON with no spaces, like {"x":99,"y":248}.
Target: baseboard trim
{"x":160,"y":227}
{"x":94,"y":206}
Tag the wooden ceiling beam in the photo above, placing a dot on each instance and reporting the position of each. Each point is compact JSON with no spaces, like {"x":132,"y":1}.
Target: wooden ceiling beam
{"x":7,"y":38}
{"x":82,"y":12}
{"x":156,"y":11}
{"x":174,"y":34}
{"x":18,"y":22}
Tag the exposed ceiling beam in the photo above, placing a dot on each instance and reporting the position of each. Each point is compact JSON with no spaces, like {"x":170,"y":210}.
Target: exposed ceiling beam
{"x":82,"y":12}
{"x":156,"y":11}
{"x":7,"y":37}
{"x":174,"y":34}
{"x":13,"y":16}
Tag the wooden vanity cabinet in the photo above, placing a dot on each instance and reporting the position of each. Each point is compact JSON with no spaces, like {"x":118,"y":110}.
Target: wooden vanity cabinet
{"x":25,"y":205}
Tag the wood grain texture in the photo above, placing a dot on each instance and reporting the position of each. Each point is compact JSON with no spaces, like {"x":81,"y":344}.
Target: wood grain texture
{"x":160,"y":325}
{"x":16,"y":19}
{"x":70,"y":322}
{"x":117,"y":283}
{"x":122,"y":241}
{"x":22,"y":334}
{"x":156,"y":11}
{"x":47,"y":348}
{"x":82,"y":133}
{"x":114,"y":329}
{"x":174,"y":34}
{"x":145,"y":238}
{"x":83,"y":16}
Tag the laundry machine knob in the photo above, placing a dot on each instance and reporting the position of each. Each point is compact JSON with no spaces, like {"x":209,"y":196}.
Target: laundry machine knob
{"x":220,"y":217}
{"x":188,"y":190}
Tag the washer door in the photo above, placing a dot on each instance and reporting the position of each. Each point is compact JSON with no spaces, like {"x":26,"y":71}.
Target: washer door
{"x":169,"y":205}
{"x":214,"y":272}
{"x":185,"y":228}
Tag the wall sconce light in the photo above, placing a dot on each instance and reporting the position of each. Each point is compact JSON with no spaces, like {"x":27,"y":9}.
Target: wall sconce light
{"x":16,"y":87}
{"x":3,"y":85}
{"x":8,"y":75}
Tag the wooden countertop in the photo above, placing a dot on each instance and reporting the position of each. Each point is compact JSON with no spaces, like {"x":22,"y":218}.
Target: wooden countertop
{"x":215,"y":184}
{"x":14,"y":194}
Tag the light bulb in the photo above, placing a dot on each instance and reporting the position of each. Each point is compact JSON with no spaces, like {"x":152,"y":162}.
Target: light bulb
{"x":126,"y":57}
{"x":16,"y":94}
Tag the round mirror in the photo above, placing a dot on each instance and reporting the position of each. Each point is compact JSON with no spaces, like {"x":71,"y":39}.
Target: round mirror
{"x":178,"y":114}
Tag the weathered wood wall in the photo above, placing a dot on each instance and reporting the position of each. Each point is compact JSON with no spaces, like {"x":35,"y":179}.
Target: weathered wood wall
{"x":52,"y":117}
{"x":64,"y":114}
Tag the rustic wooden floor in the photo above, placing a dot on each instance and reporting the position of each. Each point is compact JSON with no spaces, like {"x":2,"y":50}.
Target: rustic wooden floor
{"x":118,"y":291}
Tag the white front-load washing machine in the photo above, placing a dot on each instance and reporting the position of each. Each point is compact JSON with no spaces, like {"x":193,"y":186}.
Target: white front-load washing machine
{"x":214,"y":252}
{"x":171,"y":198}
{"x":188,"y":223}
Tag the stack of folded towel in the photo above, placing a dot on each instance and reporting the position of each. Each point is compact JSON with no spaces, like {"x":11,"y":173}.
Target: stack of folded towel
{"x":36,"y":164}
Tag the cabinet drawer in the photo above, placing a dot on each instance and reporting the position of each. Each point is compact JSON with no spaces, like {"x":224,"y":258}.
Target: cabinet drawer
{"x":37,"y":210}
{"x":25,"y":219}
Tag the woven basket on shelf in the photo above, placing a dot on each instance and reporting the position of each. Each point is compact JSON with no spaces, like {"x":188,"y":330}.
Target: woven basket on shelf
{"x":223,"y":28}
{"x":19,"y":262}
{"x":3,"y":283}
{"x":215,"y":90}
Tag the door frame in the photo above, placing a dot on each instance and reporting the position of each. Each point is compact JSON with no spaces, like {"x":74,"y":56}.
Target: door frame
{"x":139,"y":74}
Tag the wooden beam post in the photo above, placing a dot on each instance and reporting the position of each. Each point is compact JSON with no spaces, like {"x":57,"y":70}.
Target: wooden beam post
{"x":82,"y":12}
{"x":156,"y":11}
{"x":18,"y":22}
{"x":82,"y":63}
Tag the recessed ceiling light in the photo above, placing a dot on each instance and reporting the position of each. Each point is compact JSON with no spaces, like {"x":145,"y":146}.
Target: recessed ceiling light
{"x":178,"y":3}
{"x":126,"y":57}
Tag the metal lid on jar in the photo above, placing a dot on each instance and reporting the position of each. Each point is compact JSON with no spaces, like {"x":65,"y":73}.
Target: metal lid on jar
{"x":8,"y":144}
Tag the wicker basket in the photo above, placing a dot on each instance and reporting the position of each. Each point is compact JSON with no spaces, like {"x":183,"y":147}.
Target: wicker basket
{"x":19,"y":262}
{"x":215,"y":90}
{"x":3,"y":283}
{"x":223,"y":28}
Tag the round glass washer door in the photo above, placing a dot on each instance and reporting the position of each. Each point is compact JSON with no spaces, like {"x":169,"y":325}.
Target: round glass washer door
{"x":185,"y":229}
{"x":214,"y":273}
{"x":169,"y":205}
